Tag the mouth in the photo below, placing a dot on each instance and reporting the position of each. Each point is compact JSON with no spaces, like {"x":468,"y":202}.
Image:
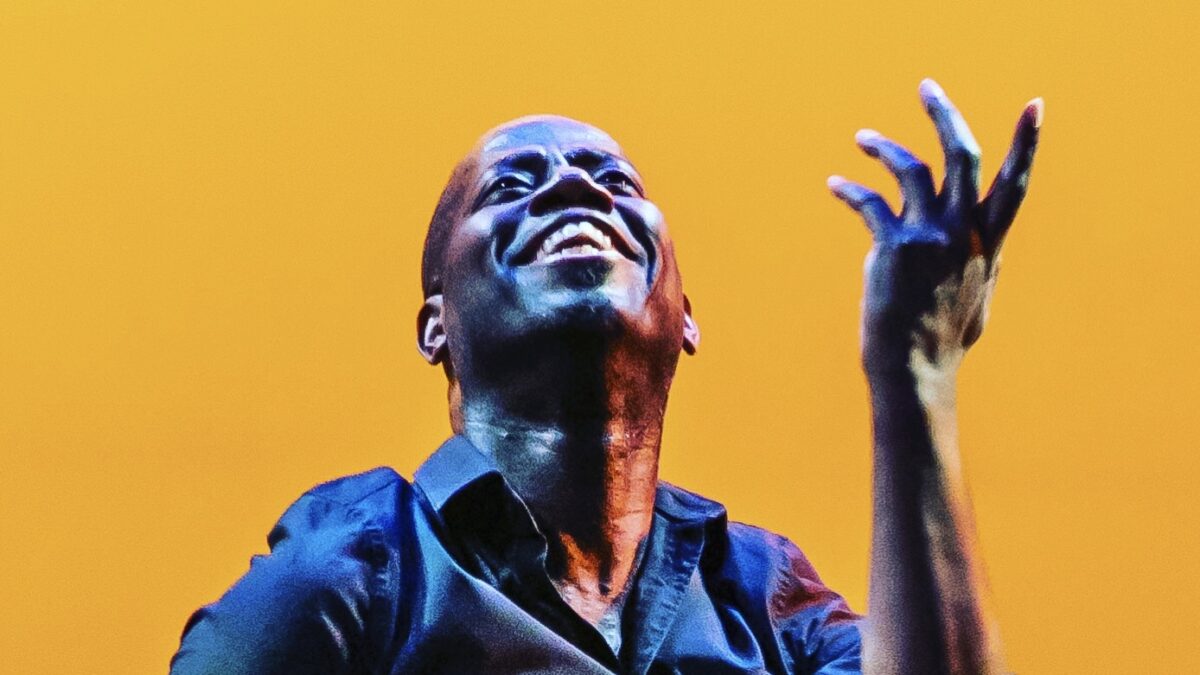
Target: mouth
{"x":573,"y":237}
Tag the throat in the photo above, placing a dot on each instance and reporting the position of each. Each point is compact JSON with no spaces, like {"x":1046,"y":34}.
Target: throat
{"x":577,"y":437}
{"x":599,"y":594}
{"x":592,"y":497}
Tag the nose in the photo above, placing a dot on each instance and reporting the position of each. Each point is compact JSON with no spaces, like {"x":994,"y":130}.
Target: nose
{"x":570,"y":187}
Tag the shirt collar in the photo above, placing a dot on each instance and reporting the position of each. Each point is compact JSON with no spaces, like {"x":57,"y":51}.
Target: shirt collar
{"x":686,"y":507}
{"x":458,"y":464}
{"x":455,"y":465}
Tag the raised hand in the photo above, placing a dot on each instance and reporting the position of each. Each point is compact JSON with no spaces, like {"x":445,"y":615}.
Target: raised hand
{"x":931,"y":271}
{"x":929,"y":278}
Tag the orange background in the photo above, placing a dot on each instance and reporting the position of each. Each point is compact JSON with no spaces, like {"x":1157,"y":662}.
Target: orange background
{"x":210,"y":223}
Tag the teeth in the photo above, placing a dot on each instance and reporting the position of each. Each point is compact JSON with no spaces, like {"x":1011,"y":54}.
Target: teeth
{"x":552,"y":249}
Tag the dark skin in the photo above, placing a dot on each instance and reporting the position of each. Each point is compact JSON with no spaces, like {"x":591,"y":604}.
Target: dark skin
{"x":928,"y":283}
{"x":559,"y":369}
{"x":559,"y":317}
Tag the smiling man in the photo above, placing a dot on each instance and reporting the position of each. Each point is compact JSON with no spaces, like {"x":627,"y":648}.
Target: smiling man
{"x":538,"y":539}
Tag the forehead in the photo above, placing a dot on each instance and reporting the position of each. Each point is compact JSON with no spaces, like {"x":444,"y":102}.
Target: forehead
{"x":549,"y":135}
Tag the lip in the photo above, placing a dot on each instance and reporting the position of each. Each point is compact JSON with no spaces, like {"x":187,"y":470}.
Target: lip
{"x":524,"y":249}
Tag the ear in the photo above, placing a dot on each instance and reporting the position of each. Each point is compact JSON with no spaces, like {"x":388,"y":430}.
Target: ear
{"x":691,"y":331}
{"x":431,"y":335}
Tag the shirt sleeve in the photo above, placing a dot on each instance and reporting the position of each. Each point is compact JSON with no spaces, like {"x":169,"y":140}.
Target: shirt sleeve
{"x":303,"y":608}
{"x":821,"y":633}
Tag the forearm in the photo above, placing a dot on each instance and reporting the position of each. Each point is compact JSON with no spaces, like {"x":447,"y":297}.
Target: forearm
{"x":927,"y":608}
{"x":928,"y":282}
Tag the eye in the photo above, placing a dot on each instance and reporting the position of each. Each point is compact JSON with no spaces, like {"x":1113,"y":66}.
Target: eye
{"x":506,"y":188}
{"x":619,"y":183}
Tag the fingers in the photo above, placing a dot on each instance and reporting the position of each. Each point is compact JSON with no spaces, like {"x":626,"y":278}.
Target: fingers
{"x":916,"y":183}
{"x":872,"y":207}
{"x":960,"y":188}
{"x":1008,"y":190}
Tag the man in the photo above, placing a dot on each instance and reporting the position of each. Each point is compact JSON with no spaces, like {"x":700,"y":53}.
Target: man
{"x":539,"y":539}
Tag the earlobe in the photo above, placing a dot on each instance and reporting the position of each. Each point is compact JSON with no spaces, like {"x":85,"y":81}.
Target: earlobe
{"x":691,"y":331}
{"x":431,"y":335}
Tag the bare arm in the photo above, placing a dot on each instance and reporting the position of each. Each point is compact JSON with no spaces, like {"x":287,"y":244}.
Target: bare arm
{"x":928,"y":281}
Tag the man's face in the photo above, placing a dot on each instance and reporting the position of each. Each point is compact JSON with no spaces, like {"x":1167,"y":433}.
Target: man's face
{"x":556,"y":233}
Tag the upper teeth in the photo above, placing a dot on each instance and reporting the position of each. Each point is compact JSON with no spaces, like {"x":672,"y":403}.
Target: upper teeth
{"x":596,"y":242}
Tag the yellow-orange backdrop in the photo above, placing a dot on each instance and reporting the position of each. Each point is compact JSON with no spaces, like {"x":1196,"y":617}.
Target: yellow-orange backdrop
{"x":210,"y":224}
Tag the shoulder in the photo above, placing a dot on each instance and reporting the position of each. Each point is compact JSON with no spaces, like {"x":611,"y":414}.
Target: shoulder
{"x":761,"y":563}
{"x":779,"y":570}
{"x":745,"y":552}
{"x":753,"y":552}
{"x":766,"y":567}
{"x":775,"y":583}
{"x":355,"y":512}
{"x":353,"y":489}
{"x":756,"y":547}
{"x":813,"y":621}
{"x":310,"y":604}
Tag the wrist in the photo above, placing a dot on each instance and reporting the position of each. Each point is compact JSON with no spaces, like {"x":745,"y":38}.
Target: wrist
{"x":887,"y":350}
{"x":913,"y":364}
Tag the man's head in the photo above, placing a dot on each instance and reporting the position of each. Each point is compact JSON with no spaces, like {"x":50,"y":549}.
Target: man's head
{"x":544,"y":233}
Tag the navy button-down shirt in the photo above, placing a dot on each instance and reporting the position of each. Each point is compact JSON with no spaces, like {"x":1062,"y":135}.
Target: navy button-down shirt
{"x":373,"y":574}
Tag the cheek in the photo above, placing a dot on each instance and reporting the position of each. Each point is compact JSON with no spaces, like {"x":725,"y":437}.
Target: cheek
{"x":469,"y":265}
{"x":469,"y":241}
{"x":644,"y":219}
{"x":664,"y":304}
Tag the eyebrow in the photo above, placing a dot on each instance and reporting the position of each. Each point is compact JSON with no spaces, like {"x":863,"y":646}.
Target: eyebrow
{"x":589,"y":158}
{"x":526,"y":160}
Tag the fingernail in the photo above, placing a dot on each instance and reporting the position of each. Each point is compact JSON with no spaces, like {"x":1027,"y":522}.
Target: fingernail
{"x":835,"y":182}
{"x":1039,"y":111}
{"x":931,"y":89}
{"x":866,"y":136}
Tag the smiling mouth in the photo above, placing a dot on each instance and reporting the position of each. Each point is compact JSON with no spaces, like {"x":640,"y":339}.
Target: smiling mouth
{"x":574,"y":238}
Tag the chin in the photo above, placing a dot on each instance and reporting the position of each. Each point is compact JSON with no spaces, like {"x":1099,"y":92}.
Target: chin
{"x":590,"y":310}
{"x":587,"y":289}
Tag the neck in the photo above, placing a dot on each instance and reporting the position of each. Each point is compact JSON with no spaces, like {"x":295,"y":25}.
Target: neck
{"x":577,"y":435}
